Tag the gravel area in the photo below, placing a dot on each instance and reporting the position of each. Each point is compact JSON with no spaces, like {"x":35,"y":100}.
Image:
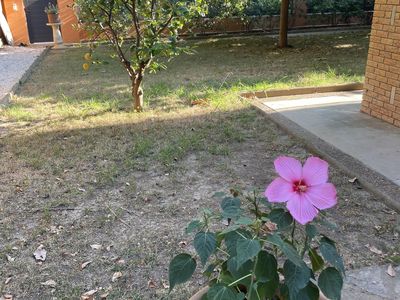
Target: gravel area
{"x":14,"y":62}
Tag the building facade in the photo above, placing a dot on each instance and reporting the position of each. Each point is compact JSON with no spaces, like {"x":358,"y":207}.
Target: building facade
{"x":382,"y":79}
{"x":27,"y":21}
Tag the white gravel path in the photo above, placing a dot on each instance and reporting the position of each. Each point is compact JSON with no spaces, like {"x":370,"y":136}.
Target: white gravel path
{"x":14,"y":62}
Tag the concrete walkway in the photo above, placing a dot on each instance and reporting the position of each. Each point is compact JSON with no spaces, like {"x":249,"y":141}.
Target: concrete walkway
{"x":15,"y":66}
{"x":371,"y":283}
{"x":336,"y":119}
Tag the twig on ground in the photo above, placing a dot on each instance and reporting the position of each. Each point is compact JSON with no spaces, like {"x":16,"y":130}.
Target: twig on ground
{"x":118,"y":218}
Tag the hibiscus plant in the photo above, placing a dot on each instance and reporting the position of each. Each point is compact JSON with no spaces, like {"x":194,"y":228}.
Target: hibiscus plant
{"x":255,"y":248}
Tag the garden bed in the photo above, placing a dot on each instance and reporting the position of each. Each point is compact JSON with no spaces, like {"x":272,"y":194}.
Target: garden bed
{"x":105,"y":190}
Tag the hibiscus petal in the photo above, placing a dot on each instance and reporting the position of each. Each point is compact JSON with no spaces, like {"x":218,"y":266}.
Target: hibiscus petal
{"x":315,"y":171}
{"x":301,"y":208}
{"x":279,"y":190}
{"x":288,"y":168}
{"x":322,"y":196}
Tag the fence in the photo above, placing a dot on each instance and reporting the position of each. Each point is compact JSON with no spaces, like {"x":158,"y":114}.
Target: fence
{"x":208,"y":26}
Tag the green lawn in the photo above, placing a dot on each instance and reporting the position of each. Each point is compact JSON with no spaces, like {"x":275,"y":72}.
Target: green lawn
{"x":78,"y":167}
{"x":220,"y":68}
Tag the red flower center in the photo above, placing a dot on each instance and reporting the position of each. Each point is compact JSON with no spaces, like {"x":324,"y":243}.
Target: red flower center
{"x":299,"y":187}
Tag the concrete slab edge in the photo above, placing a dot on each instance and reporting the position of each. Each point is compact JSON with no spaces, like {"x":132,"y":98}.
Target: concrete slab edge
{"x":353,"y":86}
{"x":6,"y":99}
{"x":371,"y":180}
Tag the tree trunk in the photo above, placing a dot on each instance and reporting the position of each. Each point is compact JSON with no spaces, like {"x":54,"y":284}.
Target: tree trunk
{"x":137,"y":93}
{"x":284,"y":24}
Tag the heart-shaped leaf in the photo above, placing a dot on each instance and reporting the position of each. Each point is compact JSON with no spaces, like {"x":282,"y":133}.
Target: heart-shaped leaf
{"x":205,"y":244}
{"x":331,"y":282}
{"x":181,"y":268}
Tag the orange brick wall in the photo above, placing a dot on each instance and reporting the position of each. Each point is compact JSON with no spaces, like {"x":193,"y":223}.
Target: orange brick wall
{"x":69,"y":28}
{"x":382,"y":79}
{"x":14,"y":11}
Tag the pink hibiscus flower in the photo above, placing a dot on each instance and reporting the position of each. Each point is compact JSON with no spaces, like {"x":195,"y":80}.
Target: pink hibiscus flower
{"x":304,"y":188}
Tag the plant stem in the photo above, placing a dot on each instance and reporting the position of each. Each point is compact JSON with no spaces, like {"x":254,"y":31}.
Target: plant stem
{"x":226,"y":253}
{"x":305,"y":247}
{"x":252,"y":277}
{"x":292,"y":234}
{"x":256,"y":205}
{"x":240,"y":279}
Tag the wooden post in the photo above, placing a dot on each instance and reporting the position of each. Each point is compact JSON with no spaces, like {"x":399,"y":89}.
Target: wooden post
{"x":284,"y":24}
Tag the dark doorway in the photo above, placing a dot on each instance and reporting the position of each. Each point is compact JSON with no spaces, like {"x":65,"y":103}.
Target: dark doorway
{"x":37,"y":19}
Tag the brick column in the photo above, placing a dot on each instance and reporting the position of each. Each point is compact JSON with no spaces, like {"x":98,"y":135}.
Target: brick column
{"x":382,"y":79}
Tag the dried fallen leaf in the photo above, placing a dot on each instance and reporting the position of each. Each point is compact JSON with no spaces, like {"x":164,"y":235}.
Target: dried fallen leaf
{"x":6,"y":297}
{"x":115,"y":276}
{"x":51,"y":283}
{"x":390,"y":271}
{"x":374,"y":249}
{"x":81,"y":190}
{"x":121,"y":261}
{"x":104,"y":296}
{"x":182,"y":244}
{"x":85,"y":264}
{"x":165,"y":284}
{"x":40,"y":253}
{"x":352,"y":180}
{"x":109,"y":247}
{"x":96,"y":246}
{"x":151,"y":284}
{"x":10,"y":259}
{"x":89,"y":295}
{"x":7,"y":280}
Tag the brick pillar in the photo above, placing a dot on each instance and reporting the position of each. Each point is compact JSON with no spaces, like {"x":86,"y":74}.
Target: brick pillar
{"x":382,"y":79}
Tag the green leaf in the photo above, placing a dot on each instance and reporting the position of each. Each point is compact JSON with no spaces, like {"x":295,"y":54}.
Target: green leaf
{"x":230,"y":207}
{"x":281,"y":217}
{"x":244,"y":221}
{"x":331,"y":282}
{"x":310,"y":292}
{"x":195,"y":224}
{"x":221,"y":292}
{"x":205,"y":244}
{"x":230,"y":228}
{"x":231,"y":239}
{"x":218,"y":195}
{"x":316,"y":260}
{"x":311,"y":231}
{"x":246,"y":249}
{"x":331,"y":255}
{"x":268,"y":289}
{"x":286,"y":248}
{"x":296,"y":277}
{"x":266,"y":273}
{"x":181,"y":268}
{"x":266,"y":267}
{"x":324,"y":222}
{"x":238,"y":272}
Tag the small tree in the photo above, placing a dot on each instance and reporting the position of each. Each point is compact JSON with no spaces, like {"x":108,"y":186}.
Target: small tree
{"x":142,"y":32}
